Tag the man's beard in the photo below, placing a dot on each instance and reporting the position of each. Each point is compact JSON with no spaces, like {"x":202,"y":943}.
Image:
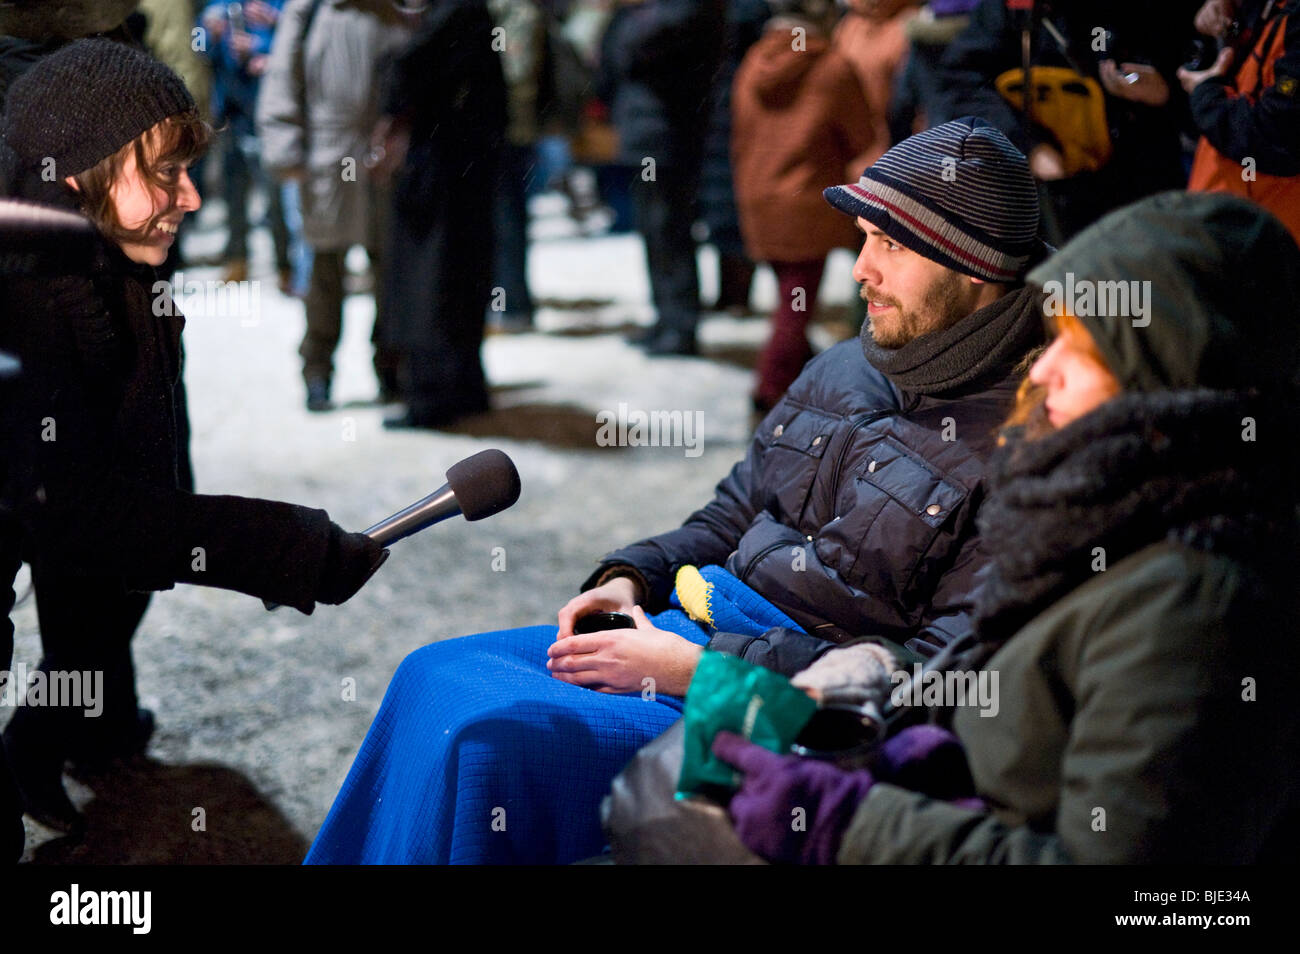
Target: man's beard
{"x":941,"y":308}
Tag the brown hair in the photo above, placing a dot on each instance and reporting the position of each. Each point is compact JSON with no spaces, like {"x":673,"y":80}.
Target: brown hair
{"x":180,"y":140}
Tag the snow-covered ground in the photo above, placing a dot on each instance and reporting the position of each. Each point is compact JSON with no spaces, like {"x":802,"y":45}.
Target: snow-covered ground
{"x":253,"y":708}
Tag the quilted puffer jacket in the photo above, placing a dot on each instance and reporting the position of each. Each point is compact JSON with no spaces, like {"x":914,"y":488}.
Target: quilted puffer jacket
{"x":854,"y":509}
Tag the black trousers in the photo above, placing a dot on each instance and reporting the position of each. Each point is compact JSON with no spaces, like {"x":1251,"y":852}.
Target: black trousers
{"x":665,"y":212}
{"x":86,"y":626}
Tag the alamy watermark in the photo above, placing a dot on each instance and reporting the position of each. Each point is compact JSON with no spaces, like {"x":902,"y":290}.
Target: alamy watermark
{"x":209,"y":299}
{"x":1085,"y":298}
{"x":632,"y":427}
{"x":954,"y":687}
{"x":57,"y":688}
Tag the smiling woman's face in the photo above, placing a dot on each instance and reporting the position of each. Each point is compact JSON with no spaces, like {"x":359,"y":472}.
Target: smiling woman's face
{"x":138,"y":200}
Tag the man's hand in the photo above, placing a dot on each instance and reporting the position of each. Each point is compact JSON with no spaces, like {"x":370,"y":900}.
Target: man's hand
{"x":214,"y":21}
{"x":1215,"y":16}
{"x":616,"y":596}
{"x":1136,"y":82}
{"x":1046,"y":163}
{"x":1194,"y":78}
{"x":259,"y":13}
{"x":620,"y":660}
{"x":389,"y":142}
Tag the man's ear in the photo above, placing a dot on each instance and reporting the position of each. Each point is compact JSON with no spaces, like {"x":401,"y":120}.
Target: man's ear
{"x":977,"y":281}
{"x":72,"y":183}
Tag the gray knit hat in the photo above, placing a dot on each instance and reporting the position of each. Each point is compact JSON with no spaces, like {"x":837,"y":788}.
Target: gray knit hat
{"x":84,"y":102}
{"x":960,"y":194}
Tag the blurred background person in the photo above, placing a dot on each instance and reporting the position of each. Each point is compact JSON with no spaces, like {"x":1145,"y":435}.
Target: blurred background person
{"x":238,"y":46}
{"x":522,"y":45}
{"x":660,"y":56}
{"x":872,"y":36}
{"x":1103,"y":127}
{"x":1246,"y":105}
{"x":317,"y":108}
{"x":800,"y":124}
{"x":745,"y":19}
{"x":918,"y":86}
{"x":445,"y":121}
{"x":168,"y":36}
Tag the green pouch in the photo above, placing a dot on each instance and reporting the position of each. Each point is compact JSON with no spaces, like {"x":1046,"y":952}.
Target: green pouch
{"x":730,"y":694}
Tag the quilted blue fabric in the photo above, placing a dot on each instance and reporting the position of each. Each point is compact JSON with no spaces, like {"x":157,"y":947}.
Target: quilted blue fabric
{"x":479,"y":756}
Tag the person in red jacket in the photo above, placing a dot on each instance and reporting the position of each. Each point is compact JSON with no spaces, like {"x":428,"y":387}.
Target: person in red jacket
{"x":1247,"y":105}
{"x":799,"y":122}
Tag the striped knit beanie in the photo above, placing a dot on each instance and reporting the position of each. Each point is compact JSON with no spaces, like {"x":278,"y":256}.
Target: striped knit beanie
{"x":960,"y":194}
{"x":85,"y":101}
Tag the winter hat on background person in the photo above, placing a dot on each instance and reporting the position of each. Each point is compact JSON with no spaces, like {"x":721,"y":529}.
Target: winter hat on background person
{"x":1184,"y":290}
{"x":960,"y":194}
{"x":83,"y":103}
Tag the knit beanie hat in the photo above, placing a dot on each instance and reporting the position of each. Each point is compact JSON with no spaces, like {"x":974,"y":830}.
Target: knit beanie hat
{"x":84,"y":102}
{"x":960,"y":194}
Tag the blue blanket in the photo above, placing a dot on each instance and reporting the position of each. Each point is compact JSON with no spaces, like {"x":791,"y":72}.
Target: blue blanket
{"x":479,"y":756}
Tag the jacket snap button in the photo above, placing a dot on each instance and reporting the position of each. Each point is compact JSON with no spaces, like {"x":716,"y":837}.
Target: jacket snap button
{"x":810,"y":538}
{"x":933,"y":509}
{"x":778,"y":431}
{"x":816,"y":441}
{"x":871,"y":468}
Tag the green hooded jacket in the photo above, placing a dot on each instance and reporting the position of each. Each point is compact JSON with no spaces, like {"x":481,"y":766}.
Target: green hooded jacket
{"x":1150,"y":714}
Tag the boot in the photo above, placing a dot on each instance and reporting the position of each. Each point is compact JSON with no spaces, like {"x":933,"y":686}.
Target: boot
{"x":318,"y":395}
{"x":37,"y":769}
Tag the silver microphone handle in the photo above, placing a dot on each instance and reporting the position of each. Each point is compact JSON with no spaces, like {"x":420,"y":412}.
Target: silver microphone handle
{"x":439,"y":505}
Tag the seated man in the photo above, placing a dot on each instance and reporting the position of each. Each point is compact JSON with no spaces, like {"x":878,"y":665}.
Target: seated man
{"x":852,"y":514}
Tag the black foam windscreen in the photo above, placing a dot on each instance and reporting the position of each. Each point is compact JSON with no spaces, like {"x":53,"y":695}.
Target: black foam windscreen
{"x":39,"y":240}
{"x":484,"y":484}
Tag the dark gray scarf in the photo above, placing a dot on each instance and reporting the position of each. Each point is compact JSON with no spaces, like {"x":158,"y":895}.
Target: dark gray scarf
{"x":981,"y":348}
{"x":1140,"y":468}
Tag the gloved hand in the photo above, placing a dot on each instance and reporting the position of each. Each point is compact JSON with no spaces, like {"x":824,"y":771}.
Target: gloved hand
{"x":353,"y":559}
{"x":923,"y":758}
{"x":854,"y":675}
{"x":788,"y":808}
{"x":926,"y":759}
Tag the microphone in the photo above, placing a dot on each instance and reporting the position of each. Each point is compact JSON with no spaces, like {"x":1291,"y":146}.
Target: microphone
{"x":41,"y":240}
{"x":477,"y":487}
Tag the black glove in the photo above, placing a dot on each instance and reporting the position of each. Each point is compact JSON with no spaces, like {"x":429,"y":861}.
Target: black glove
{"x":353,"y":559}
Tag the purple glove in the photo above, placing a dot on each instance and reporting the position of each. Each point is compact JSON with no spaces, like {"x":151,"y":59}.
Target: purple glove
{"x":926,"y":759}
{"x":788,"y":808}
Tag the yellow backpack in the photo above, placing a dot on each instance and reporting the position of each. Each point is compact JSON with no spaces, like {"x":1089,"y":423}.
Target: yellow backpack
{"x":1068,"y":104}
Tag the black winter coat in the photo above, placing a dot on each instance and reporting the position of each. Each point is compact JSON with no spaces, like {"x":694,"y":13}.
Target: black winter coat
{"x":105,"y":488}
{"x":448,"y":84}
{"x":854,"y":510}
{"x":658,"y":59}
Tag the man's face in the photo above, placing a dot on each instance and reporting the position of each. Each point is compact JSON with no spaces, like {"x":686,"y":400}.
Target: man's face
{"x":907,"y":294}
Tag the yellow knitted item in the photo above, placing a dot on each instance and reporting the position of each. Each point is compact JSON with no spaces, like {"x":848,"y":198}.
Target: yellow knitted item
{"x":693,"y":592}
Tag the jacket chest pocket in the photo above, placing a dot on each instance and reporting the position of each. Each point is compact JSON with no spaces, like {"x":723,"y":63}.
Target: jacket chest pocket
{"x":883,"y":537}
{"x":797,"y":446}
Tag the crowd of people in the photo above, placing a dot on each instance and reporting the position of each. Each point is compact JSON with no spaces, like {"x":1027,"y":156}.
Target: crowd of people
{"x":1061,"y":448}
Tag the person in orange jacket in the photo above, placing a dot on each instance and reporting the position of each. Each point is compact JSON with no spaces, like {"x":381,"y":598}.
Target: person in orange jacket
{"x":1247,"y":105}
